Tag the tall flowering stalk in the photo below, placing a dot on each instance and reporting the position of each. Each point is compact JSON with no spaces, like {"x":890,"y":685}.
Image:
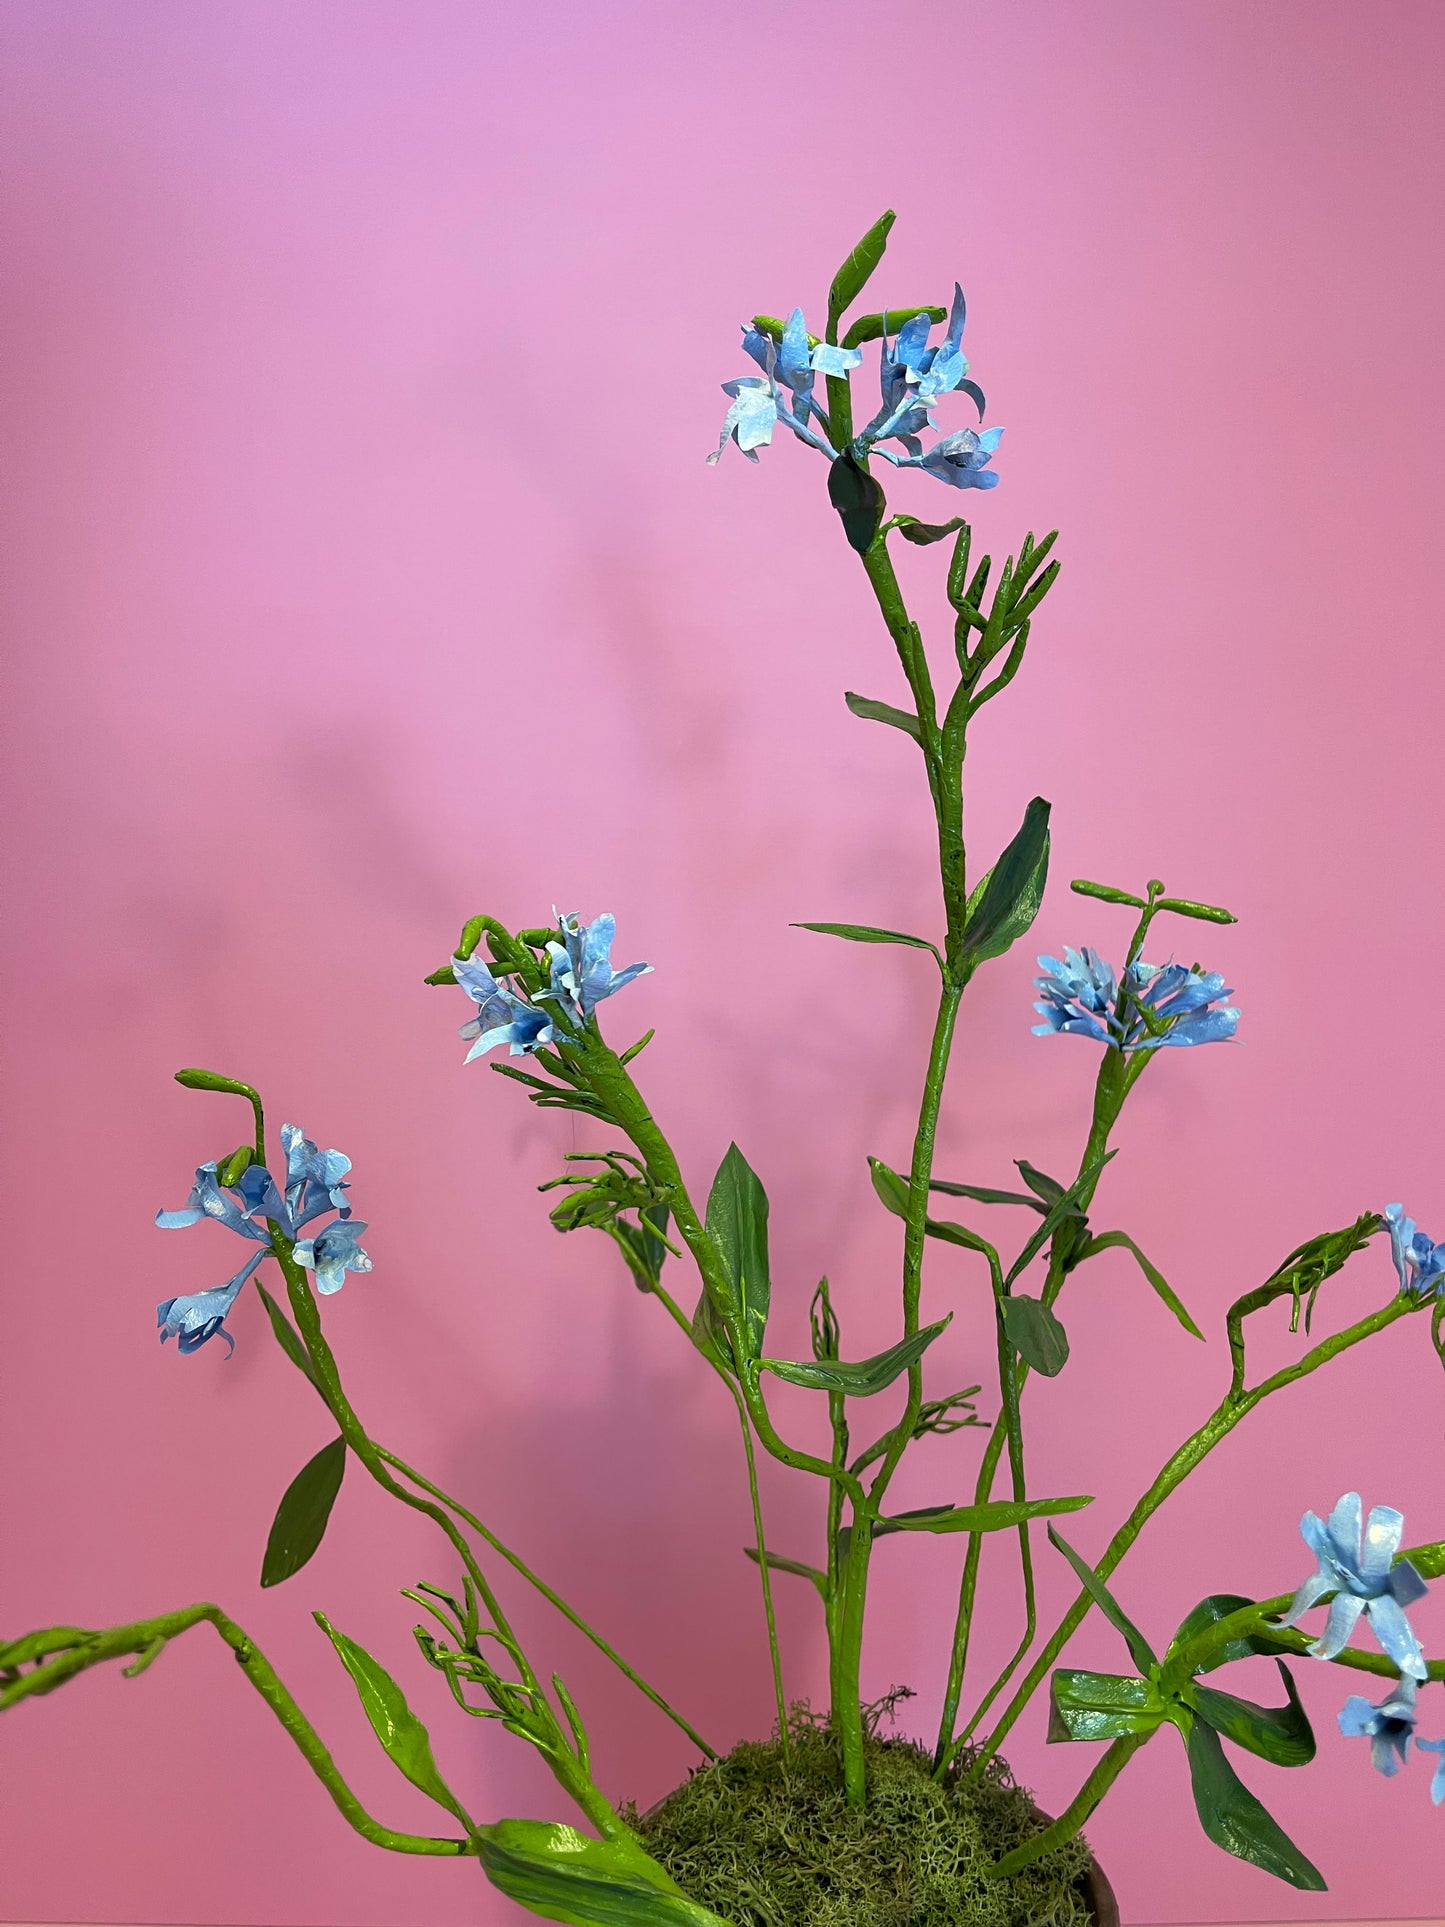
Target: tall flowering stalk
{"x":539,"y":995}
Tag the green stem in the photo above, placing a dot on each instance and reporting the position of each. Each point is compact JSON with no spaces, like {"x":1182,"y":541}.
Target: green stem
{"x":784,"y":1739}
{"x":1080,"y":1807}
{"x":1194,"y":1449}
{"x":147,"y":1637}
{"x":553,"y":1598}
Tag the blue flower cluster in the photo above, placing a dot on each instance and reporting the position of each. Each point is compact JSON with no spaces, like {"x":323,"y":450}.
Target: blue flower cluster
{"x":316,"y":1184}
{"x":581,"y":975}
{"x":1419,"y":1262}
{"x":1361,"y":1574}
{"x":914,"y":377}
{"x":1157,"y":1004}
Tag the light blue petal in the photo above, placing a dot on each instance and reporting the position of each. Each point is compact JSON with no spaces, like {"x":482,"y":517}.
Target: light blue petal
{"x":1395,"y":1634}
{"x":1345,"y":1526}
{"x":1357,"y":1717}
{"x":1405,"y":1584}
{"x":178,"y":1220}
{"x":1383,"y":1530}
{"x":1437,"y":1784}
{"x":1345,"y":1609}
{"x":1309,"y":1596}
{"x":829,"y":360}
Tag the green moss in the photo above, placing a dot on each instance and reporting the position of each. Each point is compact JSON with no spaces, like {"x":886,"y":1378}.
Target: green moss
{"x":765,"y":1848}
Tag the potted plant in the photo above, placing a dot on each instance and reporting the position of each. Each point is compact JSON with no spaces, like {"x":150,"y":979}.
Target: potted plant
{"x":834,"y":1817}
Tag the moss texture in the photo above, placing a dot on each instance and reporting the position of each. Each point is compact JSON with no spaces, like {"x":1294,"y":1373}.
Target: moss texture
{"x":765,"y":1848}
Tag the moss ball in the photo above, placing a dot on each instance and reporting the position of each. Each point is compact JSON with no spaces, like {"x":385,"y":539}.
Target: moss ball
{"x":765,"y":1846}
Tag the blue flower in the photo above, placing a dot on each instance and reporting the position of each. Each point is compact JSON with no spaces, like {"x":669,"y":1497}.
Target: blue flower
{"x":1389,"y":1726}
{"x":960,"y":459}
{"x":333,"y":1252}
{"x":315,"y":1180}
{"x":1372,"y":1582}
{"x":1437,"y":1784}
{"x":756,"y":405}
{"x":582,"y":973}
{"x":1157,"y":1005}
{"x":1420,"y":1264}
{"x":191,"y":1321}
{"x":913,"y":376}
{"x":502,"y":1017}
{"x":208,"y":1200}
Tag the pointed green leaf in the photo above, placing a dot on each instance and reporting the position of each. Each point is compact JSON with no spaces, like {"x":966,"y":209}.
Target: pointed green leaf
{"x":999,"y":1515}
{"x":1011,"y":897}
{"x":875,"y":712}
{"x":737,"y":1223}
{"x":1036,"y":1334}
{"x":872,"y":327}
{"x":1049,"y":1189}
{"x":1234,"y":1819}
{"x":1101,"y":1706}
{"x":924,"y":534}
{"x":868,"y":1375}
{"x":1279,"y":1734}
{"x":710,"y":1335}
{"x":401,"y":1733}
{"x":859,"y":500}
{"x":866,"y":933}
{"x":300,"y":1522}
{"x":1067,"y":1207}
{"x":555,"y":1871}
{"x":851,"y":279}
{"x":1121,"y":1241}
{"x":287,"y":1336}
{"x":1209,"y":1612}
{"x":893,"y":1191}
{"x":953,"y":1233}
{"x":776,"y":1563}
{"x":984,"y":1193}
{"x":1139,"y":1648}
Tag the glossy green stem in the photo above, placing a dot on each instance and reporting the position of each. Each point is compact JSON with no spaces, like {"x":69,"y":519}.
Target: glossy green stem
{"x":1193,"y":1451}
{"x":147,"y":1637}
{"x":1077,"y":1812}
{"x":785,"y":1741}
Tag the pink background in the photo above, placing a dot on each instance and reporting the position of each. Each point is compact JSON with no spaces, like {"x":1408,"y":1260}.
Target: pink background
{"x":366,"y":573}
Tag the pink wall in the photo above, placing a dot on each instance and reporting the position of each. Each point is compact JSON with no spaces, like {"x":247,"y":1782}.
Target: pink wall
{"x":367,"y":573}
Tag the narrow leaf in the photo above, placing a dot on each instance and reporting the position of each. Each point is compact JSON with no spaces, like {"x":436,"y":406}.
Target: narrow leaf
{"x":1209,"y":1612}
{"x":923,"y":534}
{"x":1049,"y":1189}
{"x":871,"y":327}
{"x":851,"y":279}
{"x":1139,"y":1649}
{"x":737,"y":1223}
{"x":1234,"y":1819}
{"x":1100,"y":1706}
{"x":997,"y":1516}
{"x":776,"y":1563}
{"x":1106,"y":893}
{"x":401,"y":1733}
{"x":859,"y":500}
{"x":709,"y":1335}
{"x":287,"y":1336}
{"x":893,"y":1191}
{"x":1280,"y":1734}
{"x":1011,"y":898}
{"x":300,"y":1522}
{"x":876,"y":712}
{"x":1036,"y":1334}
{"x":866,"y":933}
{"x":555,"y":1871}
{"x":1186,"y":907}
{"x":1120,"y":1240}
{"x":868,"y":1375}
{"x":984,"y":1193}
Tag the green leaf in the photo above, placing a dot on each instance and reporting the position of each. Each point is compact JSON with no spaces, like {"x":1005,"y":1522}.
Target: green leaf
{"x":1206,"y":912}
{"x":1121,"y":1241}
{"x":893,"y":1190}
{"x":1106,"y":893}
{"x":405,"y":1739}
{"x":984,"y":1193}
{"x":997,"y":1516}
{"x":859,"y":500}
{"x":866,"y":933}
{"x":1067,"y":1208}
{"x":710,"y":1336}
{"x":1209,"y":1612}
{"x":1101,"y":1706}
{"x":1039,"y":1182}
{"x":1139,"y":1648}
{"x":876,"y":712}
{"x":1010,"y":898}
{"x":868,"y":1375}
{"x":851,"y":279}
{"x":776,"y":1563}
{"x":232,"y":1169}
{"x":562,"y":1874}
{"x":287,"y":1335}
{"x":1279,"y":1734}
{"x":1036,"y":1334}
{"x":300,"y":1522}
{"x":872,"y":327}
{"x":737,"y":1223}
{"x":923,"y":534}
{"x":1234,"y":1819}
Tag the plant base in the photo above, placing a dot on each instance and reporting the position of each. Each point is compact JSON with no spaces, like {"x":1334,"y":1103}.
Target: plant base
{"x":767,"y":1847}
